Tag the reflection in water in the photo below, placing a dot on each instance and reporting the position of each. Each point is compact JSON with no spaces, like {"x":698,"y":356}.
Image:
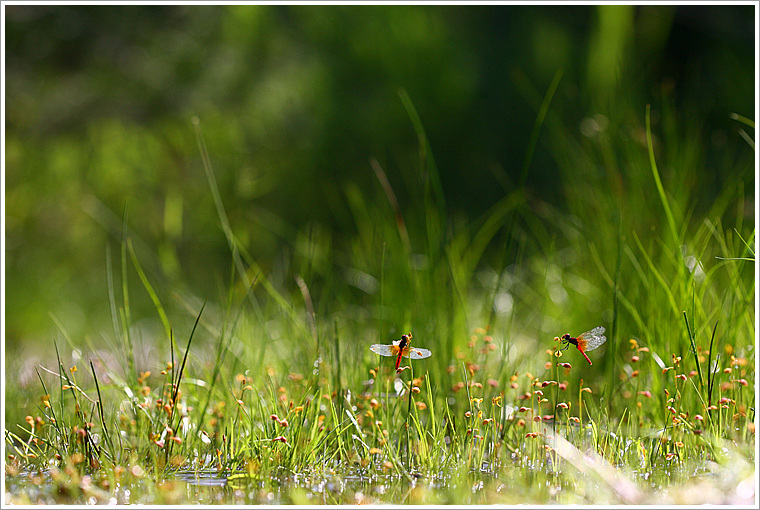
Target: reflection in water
{"x":202,"y":479}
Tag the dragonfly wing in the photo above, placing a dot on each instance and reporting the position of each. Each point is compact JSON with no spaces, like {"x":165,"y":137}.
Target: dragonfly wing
{"x":416,"y":353}
{"x":382,"y":350}
{"x":593,"y":338}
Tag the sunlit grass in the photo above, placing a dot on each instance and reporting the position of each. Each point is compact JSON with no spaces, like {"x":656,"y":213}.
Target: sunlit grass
{"x":269,"y":394}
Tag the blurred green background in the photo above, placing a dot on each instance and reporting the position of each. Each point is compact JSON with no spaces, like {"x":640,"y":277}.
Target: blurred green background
{"x":295,"y":101}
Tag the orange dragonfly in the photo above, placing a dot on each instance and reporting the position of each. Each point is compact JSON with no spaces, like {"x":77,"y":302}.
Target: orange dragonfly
{"x":401,"y":348}
{"x":585,"y":342}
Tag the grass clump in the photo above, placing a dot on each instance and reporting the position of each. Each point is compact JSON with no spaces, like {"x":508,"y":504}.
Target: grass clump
{"x":271,"y":395}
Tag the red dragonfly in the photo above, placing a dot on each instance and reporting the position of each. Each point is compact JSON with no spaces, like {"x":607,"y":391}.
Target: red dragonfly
{"x":401,"y":348}
{"x":585,"y":342}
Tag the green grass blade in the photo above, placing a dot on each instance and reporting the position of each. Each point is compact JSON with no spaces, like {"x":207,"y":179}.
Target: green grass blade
{"x":149,"y":288}
{"x":694,"y":350}
{"x":106,"y":434}
{"x":744,"y":120}
{"x":540,"y":118}
{"x":426,"y":153}
{"x":710,"y":373}
{"x":435,"y":212}
{"x":658,"y":183}
{"x":666,"y":287}
{"x":176,"y":382}
{"x":126,"y":314}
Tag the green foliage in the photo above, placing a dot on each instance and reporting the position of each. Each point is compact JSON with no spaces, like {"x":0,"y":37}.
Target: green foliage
{"x":270,"y":387}
{"x":288,"y":408}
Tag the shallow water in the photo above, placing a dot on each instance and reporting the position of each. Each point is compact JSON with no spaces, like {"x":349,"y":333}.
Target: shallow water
{"x":202,"y":479}
{"x":26,"y":488}
{"x":350,"y":485}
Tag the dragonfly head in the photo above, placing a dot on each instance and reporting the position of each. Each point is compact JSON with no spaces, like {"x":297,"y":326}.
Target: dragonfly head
{"x":565,"y":340}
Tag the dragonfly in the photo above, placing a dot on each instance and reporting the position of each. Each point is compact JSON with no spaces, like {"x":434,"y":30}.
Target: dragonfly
{"x":401,"y":348}
{"x":585,"y":342}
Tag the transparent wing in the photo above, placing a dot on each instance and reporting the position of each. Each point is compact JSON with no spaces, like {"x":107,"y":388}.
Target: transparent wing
{"x":594,"y":338}
{"x":416,"y":353}
{"x":384,"y":350}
